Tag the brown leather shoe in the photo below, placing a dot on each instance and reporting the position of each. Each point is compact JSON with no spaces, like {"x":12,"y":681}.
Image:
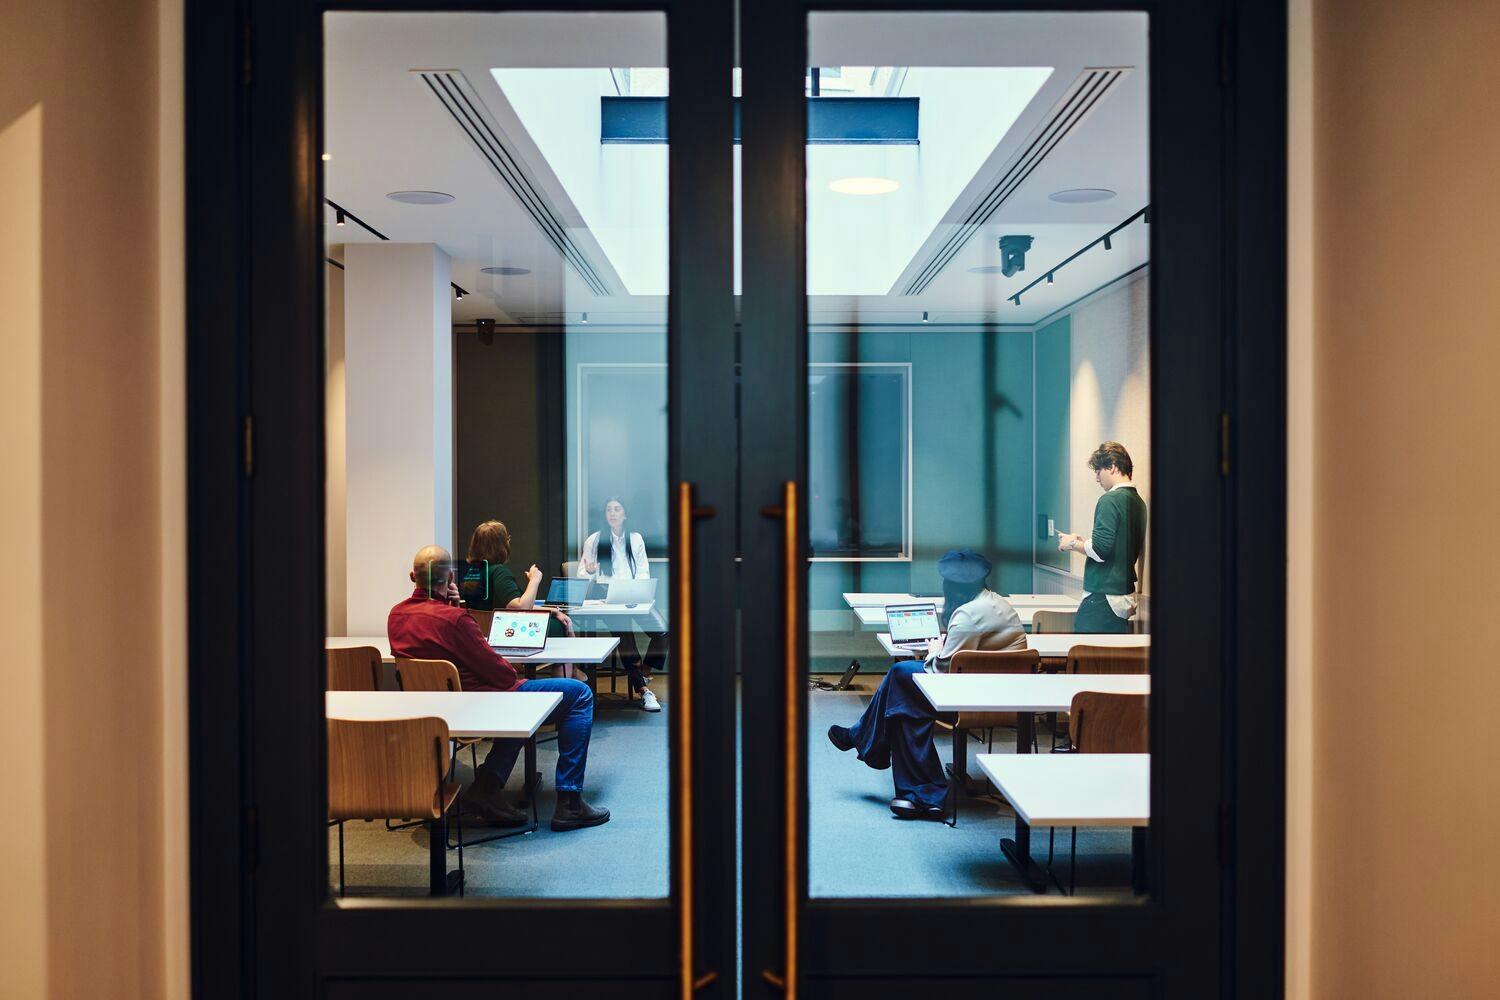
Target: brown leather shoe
{"x":484,"y":801}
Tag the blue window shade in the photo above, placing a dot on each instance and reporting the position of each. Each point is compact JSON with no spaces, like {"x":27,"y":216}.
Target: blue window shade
{"x":880,"y":121}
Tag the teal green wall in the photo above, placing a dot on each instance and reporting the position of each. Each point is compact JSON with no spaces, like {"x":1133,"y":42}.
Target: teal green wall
{"x":1054,"y":379}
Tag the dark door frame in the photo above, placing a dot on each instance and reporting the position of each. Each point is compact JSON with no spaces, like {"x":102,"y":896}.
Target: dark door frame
{"x":1214,"y":922}
{"x":256,"y":501}
{"x":262,"y":922}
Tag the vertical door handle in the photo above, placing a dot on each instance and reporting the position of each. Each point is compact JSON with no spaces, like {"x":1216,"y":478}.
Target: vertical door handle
{"x":682,"y":720}
{"x":791,"y":586}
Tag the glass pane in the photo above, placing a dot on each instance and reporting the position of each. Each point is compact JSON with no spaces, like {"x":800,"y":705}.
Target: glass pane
{"x":979,"y":419}
{"x":497,"y":454}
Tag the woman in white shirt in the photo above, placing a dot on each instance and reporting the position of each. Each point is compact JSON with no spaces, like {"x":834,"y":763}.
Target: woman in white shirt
{"x":895,"y":730}
{"x":617,"y":552}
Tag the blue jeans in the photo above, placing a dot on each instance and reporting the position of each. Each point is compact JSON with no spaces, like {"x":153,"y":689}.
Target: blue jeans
{"x":574,"y":718}
{"x":896,"y":732}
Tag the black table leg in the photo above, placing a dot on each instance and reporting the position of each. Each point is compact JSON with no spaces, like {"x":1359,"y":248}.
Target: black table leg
{"x":1025,"y":731}
{"x":1018,"y":853}
{"x":533,"y":777}
{"x":1138,"y":858}
{"x":439,"y":881}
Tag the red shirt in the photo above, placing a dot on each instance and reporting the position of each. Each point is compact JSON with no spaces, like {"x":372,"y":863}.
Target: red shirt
{"x":423,"y":629}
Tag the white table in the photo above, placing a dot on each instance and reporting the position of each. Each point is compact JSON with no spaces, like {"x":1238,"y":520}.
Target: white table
{"x":469,"y":714}
{"x":559,"y":649}
{"x":1021,"y":692}
{"x":1051,"y":602}
{"x":1096,"y":789}
{"x":597,"y":616}
{"x":874,"y":617}
{"x":1057,"y":644}
{"x":863,"y":600}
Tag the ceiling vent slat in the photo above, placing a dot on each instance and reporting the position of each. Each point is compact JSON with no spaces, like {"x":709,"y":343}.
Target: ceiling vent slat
{"x":455,"y":95}
{"x":1070,"y":111}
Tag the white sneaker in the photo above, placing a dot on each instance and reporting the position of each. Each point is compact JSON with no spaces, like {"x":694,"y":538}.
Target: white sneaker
{"x":649,"y":702}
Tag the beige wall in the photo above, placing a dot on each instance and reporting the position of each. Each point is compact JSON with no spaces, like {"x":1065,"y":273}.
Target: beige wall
{"x":335,"y":471}
{"x":1405,"y":895}
{"x":91,"y":393}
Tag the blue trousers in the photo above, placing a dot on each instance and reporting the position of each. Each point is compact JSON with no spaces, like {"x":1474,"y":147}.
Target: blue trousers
{"x":574,"y":718}
{"x":896,"y":732}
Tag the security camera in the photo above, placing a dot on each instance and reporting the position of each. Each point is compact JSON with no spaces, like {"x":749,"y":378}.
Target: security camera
{"x":1013,"y":254}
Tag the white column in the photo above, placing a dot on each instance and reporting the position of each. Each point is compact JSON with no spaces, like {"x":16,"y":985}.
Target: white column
{"x":398,"y":390}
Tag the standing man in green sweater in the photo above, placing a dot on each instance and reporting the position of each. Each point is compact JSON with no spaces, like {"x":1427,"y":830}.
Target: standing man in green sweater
{"x":1114,"y":548}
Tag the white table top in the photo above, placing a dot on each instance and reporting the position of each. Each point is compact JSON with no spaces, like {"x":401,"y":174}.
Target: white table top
{"x":863,"y":600}
{"x":469,"y":714}
{"x":602,"y":608}
{"x":1050,"y":644}
{"x":870,"y":615}
{"x":1075,"y":789}
{"x":1021,"y":692}
{"x":1049,"y":602}
{"x":559,"y":649}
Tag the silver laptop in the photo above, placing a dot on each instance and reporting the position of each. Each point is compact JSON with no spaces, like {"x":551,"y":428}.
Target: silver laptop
{"x":519,"y":633}
{"x":631,"y":592}
{"x":912,"y":626}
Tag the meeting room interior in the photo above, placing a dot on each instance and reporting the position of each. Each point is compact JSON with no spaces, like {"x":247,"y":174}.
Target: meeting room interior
{"x":978,"y":455}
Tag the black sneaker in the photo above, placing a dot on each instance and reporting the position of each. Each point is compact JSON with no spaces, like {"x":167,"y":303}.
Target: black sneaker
{"x":839,"y":737}
{"x":572,"y":813}
{"x":907,"y":809}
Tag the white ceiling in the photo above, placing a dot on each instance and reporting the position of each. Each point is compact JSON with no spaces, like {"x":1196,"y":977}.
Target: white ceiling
{"x":385,"y":132}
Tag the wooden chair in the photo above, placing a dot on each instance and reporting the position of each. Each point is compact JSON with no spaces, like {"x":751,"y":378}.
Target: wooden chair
{"x":393,"y":769}
{"x":483,"y":619}
{"x":1052,"y":621}
{"x":1104,"y":723}
{"x":1109,"y":660}
{"x":978,"y":661}
{"x":354,"y":669}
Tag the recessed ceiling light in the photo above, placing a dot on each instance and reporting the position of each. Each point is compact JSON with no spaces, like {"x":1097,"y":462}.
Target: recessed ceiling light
{"x":420,"y":197}
{"x":506,"y":270}
{"x":863,"y":185}
{"x":1081,"y":196}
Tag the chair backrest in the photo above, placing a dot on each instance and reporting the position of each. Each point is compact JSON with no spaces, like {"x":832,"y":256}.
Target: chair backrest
{"x":1109,"y":723}
{"x":1052,"y":621}
{"x":427,"y":675}
{"x":979,"y":661}
{"x":354,"y":669}
{"x":1109,"y":660}
{"x":483,"y":619}
{"x":390,"y":769}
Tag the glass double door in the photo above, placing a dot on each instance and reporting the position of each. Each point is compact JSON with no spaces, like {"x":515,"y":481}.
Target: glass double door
{"x":742,"y":436}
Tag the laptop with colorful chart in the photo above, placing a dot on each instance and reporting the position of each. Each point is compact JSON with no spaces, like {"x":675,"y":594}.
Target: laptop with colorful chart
{"x":519,"y":633}
{"x":912,"y":626}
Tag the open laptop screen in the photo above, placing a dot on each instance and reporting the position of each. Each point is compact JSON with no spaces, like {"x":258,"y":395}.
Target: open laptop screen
{"x":519,"y":630}
{"x":911,"y":623}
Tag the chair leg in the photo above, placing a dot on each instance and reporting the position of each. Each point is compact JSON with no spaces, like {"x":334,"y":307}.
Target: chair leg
{"x":1073,"y":864}
{"x":458,"y":819}
{"x":341,"y":859}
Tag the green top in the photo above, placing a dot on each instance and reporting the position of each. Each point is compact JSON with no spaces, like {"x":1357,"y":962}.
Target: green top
{"x":1118,"y":538}
{"x":487,"y":591}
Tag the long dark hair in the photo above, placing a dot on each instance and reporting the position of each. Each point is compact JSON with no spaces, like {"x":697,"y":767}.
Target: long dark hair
{"x":956,"y":595}
{"x":605,"y":553}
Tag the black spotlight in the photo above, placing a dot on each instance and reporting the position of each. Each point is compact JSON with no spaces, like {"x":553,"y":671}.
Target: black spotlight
{"x":1013,"y":254}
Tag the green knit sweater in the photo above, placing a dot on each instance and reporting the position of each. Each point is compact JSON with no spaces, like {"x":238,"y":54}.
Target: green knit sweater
{"x":1118,"y":537}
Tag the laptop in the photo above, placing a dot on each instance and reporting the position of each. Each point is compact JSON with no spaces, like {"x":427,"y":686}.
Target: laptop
{"x":631,"y":592}
{"x":519,"y":633}
{"x":912,"y":626}
{"x":568,"y":592}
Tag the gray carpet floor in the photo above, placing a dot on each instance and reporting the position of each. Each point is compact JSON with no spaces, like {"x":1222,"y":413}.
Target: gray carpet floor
{"x":857,"y":848}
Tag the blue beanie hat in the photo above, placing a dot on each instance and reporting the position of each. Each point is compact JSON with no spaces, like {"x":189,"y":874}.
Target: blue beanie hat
{"x":963,"y":566}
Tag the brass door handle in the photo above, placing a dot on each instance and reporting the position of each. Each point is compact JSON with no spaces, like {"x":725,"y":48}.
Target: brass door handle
{"x":791,"y":585}
{"x":682,"y":722}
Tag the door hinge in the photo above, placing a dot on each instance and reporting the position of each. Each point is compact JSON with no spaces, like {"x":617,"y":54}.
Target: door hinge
{"x":1224,"y":445}
{"x":246,"y":67}
{"x":1226,"y":56}
{"x":1226,"y":835}
{"x":252,"y":839}
{"x":249,"y":446}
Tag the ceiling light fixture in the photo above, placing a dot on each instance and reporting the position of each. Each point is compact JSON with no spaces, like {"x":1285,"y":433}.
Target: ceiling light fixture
{"x":863,"y":185}
{"x":1081,"y":196}
{"x":585,"y":317}
{"x":924,"y":316}
{"x":458,"y":293}
{"x":1050,"y":280}
{"x":506,"y":271}
{"x":420,"y":197}
{"x":338,"y":217}
{"x":1107,"y":244}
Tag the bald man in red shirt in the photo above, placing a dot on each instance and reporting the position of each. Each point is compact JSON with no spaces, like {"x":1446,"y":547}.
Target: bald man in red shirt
{"x":429,"y":625}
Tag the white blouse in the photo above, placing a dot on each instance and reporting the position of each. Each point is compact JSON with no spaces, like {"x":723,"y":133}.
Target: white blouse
{"x":619,"y":559}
